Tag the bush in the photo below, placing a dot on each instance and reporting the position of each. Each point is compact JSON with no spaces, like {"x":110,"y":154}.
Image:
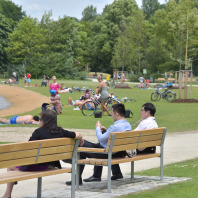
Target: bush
{"x":82,"y":75}
{"x":133,"y":77}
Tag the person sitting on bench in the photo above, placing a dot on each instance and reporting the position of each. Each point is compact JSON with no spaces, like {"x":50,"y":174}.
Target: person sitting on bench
{"x":48,"y":130}
{"x":102,"y":133}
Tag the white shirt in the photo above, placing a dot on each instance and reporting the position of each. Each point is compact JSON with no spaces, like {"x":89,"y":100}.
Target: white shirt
{"x":148,"y":123}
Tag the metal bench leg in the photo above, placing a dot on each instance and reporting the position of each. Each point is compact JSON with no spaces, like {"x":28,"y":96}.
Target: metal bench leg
{"x":161,"y":163}
{"x":132,"y":170}
{"x":39,"y":187}
{"x":109,"y":178}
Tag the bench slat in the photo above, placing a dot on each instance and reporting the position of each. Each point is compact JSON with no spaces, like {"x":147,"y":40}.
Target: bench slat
{"x":35,"y":144}
{"x":134,"y":146}
{"x":135,"y":140}
{"x":33,"y":152}
{"x":32,"y":160}
{"x":93,"y":150}
{"x":13,"y":176}
{"x":104,"y":162}
{"x":136,"y":133}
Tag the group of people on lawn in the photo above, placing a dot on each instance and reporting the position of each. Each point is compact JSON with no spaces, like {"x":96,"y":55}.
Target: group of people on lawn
{"x":48,"y":129}
{"x":101,"y":94}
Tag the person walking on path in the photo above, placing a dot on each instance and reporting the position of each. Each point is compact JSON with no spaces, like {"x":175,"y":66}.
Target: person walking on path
{"x":27,"y":119}
{"x":103,"y":90}
{"x":48,"y":130}
{"x":120,"y":124}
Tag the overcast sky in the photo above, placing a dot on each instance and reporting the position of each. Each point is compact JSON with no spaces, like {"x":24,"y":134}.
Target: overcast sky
{"x":73,"y":8}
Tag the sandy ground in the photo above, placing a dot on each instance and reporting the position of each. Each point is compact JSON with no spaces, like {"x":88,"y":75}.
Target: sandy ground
{"x":178,"y":146}
{"x":21,"y":99}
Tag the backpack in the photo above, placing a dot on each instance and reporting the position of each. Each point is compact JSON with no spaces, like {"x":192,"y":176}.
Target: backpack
{"x":128,"y":112}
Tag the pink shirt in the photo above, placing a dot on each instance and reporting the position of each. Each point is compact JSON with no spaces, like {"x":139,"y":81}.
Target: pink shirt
{"x":54,"y":87}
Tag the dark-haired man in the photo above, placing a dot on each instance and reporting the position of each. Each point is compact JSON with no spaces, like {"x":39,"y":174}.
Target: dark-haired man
{"x":147,"y":114}
{"x":148,"y":122}
{"x":120,"y":124}
{"x":27,"y":119}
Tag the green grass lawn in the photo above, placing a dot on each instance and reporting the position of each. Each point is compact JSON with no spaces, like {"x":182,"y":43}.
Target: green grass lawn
{"x":176,"y":117}
{"x":182,"y":189}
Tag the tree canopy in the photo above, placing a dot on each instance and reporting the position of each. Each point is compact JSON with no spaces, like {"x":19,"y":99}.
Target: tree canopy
{"x":123,"y":36}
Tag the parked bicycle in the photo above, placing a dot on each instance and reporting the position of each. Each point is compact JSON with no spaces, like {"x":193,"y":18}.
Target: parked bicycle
{"x":91,"y":106}
{"x":111,"y":83}
{"x":168,"y":95}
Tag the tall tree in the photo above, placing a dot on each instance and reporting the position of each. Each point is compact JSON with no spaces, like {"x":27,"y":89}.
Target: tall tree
{"x":26,"y":46}
{"x":130,"y":50}
{"x":170,"y":25}
{"x":89,"y":13}
{"x":5,"y":29}
{"x":106,"y":30}
{"x":11,"y":10}
{"x":149,"y":7}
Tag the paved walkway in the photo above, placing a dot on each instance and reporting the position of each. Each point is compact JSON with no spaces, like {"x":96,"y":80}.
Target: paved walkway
{"x":178,"y":147}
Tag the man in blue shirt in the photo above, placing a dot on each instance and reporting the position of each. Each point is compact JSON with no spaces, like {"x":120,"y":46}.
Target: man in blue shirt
{"x":120,"y":124}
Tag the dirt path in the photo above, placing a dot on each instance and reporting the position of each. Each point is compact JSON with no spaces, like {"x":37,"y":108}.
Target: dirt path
{"x":21,"y":99}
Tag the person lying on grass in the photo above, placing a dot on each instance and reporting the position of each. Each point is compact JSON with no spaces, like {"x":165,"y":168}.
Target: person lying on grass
{"x":26,"y":119}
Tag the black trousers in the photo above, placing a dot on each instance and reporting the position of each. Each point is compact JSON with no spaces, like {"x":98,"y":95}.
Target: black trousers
{"x":98,"y":169}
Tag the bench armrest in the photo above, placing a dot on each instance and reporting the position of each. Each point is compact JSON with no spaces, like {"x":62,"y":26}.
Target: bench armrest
{"x":93,"y":150}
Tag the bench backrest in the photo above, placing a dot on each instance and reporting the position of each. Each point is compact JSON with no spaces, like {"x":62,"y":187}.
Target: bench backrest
{"x":161,"y":79}
{"x":33,"y":152}
{"x":136,"y":139}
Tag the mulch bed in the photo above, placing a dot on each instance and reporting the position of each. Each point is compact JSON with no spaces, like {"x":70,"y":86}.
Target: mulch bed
{"x":185,"y":101}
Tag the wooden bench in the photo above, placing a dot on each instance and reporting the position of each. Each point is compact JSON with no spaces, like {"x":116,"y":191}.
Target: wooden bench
{"x":171,"y":79}
{"x":33,"y":152}
{"x":119,"y":141}
{"x":160,"y":79}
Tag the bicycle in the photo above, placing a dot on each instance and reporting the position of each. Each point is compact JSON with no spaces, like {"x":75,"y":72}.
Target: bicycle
{"x":111,"y":83}
{"x":167,"y":95}
{"x":91,"y":106}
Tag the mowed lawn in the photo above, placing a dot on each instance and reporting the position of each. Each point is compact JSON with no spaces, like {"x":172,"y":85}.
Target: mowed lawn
{"x":174,"y":116}
{"x":181,"y":189}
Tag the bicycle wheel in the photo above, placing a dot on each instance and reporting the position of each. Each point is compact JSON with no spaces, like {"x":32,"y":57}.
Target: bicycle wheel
{"x":155,"y":96}
{"x":88,"y":108}
{"x":111,"y":102}
{"x":170,"y":96}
